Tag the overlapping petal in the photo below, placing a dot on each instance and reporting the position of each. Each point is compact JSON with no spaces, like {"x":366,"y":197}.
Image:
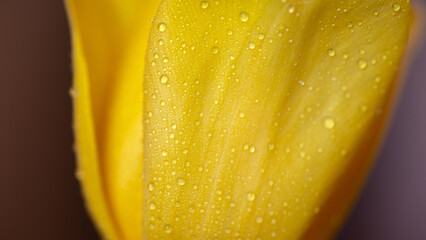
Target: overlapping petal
{"x":261,"y":116}
{"x":109,"y":43}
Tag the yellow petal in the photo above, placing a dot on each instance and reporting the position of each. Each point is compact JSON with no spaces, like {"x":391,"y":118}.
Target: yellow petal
{"x":258,"y":112}
{"x":109,"y":43}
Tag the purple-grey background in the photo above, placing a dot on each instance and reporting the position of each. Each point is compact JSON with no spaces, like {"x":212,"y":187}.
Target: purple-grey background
{"x":40,"y":198}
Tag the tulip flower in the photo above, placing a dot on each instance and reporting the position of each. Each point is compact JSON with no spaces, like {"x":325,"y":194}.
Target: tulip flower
{"x":230,"y":119}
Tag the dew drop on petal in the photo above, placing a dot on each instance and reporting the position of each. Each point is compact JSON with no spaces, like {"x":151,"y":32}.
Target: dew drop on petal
{"x":244,"y":17}
{"x":164,"y":78}
{"x":251,"y":196}
{"x":252,"y":45}
{"x":167,"y":228}
{"x":396,"y":7}
{"x":151,"y":186}
{"x":362,"y":64}
{"x":291,"y":9}
{"x":215,"y":50}
{"x":180,"y":181}
{"x":329,"y":123}
{"x":204,"y":5}
{"x":162,"y":27}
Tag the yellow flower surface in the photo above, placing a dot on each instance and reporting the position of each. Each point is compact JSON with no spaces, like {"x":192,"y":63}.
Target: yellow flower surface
{"x":261,"y":116}
{"x":109,"y":44}
{"x":253,"y":119}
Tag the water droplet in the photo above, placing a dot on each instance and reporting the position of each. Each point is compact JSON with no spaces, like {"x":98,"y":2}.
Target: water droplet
{"x":251,"y":196}
{"x":252,"y":45}
{"x":242,"y":115}
{"x":180,"y":181}
{"x":162,"y":27}
{"x":252,"y":149}
{"x":164,"y":78}
{"x":151,"y":186}
{"x":260,"y":36}
{"x":164,"y":153}
{"x":215,"y":50}
{"x":329,"y":123}
{"x":331,"y":52}
{"x":396,"y":7}
{"x":259,"y":219}
{"x":291,"y":9}
{"x":377,"y":79}
{"x":204,"y":5}
{"x":376,"y":13}
{"x":244,"y":17}
{"x":362,"y":64}
{"x":167,"y":228}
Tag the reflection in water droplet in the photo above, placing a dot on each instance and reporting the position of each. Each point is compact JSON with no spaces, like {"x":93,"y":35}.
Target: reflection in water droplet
{"x":167,"y":228}
{"x":151,"y":186}
{"x":252,"y":149}
{"x":329,"y":123}
{"x":162,"y":27}
{"x":215,"y":50}
{"x":204,"y":5}
{"x":244,"y":17}
{"x":251,"y":196}
{"x":362,"y":64}
{"x":252,"y":45}
{"x":164,"y":78}
{"x":396,"y":7}
{"x":291,"y":9}
{"x":180,"y":181}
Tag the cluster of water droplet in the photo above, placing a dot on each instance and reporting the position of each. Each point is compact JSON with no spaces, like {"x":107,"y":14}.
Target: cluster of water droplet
{"x":235,"y":132}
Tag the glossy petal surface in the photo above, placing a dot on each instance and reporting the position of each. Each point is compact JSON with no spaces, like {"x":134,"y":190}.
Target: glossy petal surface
{"x":261,"y":116}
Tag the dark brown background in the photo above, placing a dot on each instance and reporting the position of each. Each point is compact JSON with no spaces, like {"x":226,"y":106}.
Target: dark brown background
{"x":39,"y":195}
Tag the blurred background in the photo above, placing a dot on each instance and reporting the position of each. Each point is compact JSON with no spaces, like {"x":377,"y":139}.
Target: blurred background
{"x":40,"y":197}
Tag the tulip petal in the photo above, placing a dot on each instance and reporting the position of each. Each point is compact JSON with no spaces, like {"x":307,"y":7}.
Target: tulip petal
{"x":109,"y":43}
{"x":256,"y":112}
